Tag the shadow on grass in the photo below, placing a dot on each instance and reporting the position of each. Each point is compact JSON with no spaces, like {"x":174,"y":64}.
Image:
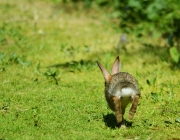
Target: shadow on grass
{"x":75,"y":65}
{"x":110,"y":121}
{"x":158,"y":54}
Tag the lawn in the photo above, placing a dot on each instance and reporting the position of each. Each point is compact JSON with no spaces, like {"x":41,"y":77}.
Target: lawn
{"x":51,"y":87}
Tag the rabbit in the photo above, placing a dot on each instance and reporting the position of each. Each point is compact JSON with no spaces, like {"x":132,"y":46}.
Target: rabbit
{"x":120,"y":89}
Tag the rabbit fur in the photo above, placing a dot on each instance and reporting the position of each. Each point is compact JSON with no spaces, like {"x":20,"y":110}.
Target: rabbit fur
{"x":120,"y":89}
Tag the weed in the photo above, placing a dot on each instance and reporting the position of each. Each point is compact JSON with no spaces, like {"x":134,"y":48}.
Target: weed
{"x":52,"y":73}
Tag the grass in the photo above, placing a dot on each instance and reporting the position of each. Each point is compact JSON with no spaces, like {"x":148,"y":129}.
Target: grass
{"x":51,"y":87}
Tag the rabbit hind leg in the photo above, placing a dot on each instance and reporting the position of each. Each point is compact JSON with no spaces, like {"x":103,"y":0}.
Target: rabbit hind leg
{"x":134,"y":105}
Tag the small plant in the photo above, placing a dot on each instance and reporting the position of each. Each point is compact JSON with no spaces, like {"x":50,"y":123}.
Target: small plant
{"x":175,"y":55}
{"x":15,"y":59}
{"x":2,"y":58}
{"x":155,"y":96}
{"x":174,"y":42}
{"x":151,"y":81}
{"x":53,"y":73}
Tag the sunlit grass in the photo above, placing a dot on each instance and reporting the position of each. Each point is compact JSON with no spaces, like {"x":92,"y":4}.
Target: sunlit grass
{"x":51,"y":87}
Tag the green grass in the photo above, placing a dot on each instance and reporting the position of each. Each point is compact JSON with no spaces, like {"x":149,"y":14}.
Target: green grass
{"x":51,"y":87}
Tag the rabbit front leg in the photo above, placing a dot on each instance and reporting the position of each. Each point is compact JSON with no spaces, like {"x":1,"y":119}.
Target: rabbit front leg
{"x":133,"y":106}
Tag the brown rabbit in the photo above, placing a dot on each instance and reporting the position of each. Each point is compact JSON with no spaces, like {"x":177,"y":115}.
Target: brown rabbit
{"x":120,"y":89}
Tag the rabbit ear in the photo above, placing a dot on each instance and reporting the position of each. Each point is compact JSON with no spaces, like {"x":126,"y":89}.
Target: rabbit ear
{"x":104,"y":71}
{"x":115,"y":67}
